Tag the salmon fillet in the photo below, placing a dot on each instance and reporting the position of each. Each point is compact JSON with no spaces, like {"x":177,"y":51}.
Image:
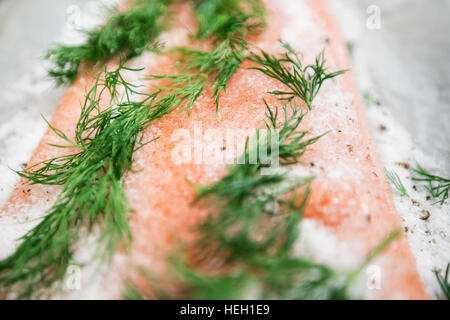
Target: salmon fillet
{"x":350,"y":199}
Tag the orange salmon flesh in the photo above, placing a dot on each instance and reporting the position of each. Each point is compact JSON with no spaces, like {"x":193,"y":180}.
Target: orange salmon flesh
{"x":350,"y":199}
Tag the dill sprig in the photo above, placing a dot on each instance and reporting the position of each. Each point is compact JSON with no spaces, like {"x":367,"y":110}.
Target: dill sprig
{"x":127,"y":33}
{"x":303,"y":81}
{"x":397,"y":182}
{"x":228,"y":23}
{"x":254,"y":233}
{"x":185,"y":88}
{"x":225,"y":19}
{"x":444,"y":281}
{"x":276,"y":275}
{"x":93,"y":194}
{"x":266,"y":277}
{"x":197,"y":66}
{"x":438,"y":187}
{"x":242,"y":188}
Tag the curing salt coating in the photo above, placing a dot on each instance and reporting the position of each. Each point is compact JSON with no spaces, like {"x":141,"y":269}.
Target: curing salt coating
{"x":349,"y":203}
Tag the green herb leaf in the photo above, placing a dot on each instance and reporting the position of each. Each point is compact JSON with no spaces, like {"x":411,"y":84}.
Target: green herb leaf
{"x":444,"y":281}
{"x":397,"y":182}
{"x":228,"y":22}
{"x":438,"y":187}
{"x":302,"y":81}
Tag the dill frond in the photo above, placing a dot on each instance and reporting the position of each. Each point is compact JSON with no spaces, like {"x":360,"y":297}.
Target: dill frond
{"x":375,"y":252}
{"x":126,"y":33}
{"x":303,"y":81}
{"x":246,"y":249}
{"x":242,"y":188}
{"x":183,"y":90}
{"x":228,"y":22}
{"x":438,"y":187}
{"x":93,"y":194}
{"x":273,"y":277}
{"x":225,"y":19}
{"x":444,"y":281}
{"x":397,"y":182}
{"x":221,"y":63}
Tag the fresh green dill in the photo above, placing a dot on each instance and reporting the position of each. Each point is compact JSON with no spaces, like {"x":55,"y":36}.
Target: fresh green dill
{"x":267,"y":277}
{"x":444,"y":281}
{"x":185,"y":88}
{"x":397,"y":182}
{"x":93,"y":194}
{"x":438,"y":187}
{"x":126,"y":33}
{"x":228,"y":22}
{"x":303,"y":81}
{"x":225,"y":19}
{"x":247,"y":205}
